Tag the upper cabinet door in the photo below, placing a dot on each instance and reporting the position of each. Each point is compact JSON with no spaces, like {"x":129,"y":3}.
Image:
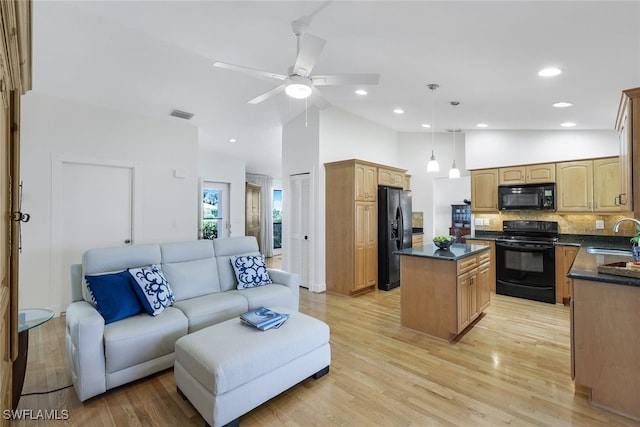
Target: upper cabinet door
{"x":607,"y":186}
{"x":366,"y":182}
{"x":575,"y":186}
{"x":484,"y":190}
{"x":513,"y":175}
{"x":529,"y":174}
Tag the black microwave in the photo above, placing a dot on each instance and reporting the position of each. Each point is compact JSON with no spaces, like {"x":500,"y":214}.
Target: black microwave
{"x":527,"y":197}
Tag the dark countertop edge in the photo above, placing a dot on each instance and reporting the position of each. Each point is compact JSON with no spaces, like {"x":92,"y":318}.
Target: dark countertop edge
{"x":430,"y":250}
{"x":585,"y":267}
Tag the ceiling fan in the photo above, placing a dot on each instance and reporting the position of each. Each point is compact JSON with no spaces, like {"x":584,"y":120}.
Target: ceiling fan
{"x":299,"y":83}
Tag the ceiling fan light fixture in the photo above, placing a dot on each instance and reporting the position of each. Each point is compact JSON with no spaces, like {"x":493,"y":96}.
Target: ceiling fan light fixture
{"x":298,"y":90}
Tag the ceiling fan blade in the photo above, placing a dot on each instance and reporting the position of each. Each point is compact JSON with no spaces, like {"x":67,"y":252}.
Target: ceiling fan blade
{"x":309,"y":48}
{"x":250,"y":71}
{"x":258,"y":99}
{"x":346,"y":79}
{"x":319,"y":100}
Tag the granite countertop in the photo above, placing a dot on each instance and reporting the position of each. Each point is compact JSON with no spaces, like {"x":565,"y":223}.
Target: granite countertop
{"x":455,"y":252}
{"x":585,"y":267}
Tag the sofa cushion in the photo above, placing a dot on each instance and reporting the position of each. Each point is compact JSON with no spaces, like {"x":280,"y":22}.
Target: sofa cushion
{"x":140,"y":338}
{"x":190,"y":268}
{"x":210,"y":309}
{"x":224,"y":249}
{"x":250,"y":270}
{"x":113,"y":295}
{"x":264,"y":296}
{"x":111,"y":260}
{"x":152,"y":288}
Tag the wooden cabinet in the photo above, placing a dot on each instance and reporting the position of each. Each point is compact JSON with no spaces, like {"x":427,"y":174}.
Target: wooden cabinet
{"x":484,"y":281}
{"x":589,"y":186}
{"x":492,"y":259}
{"x":417,"y":240}
{"x":604,"y":344}
{"x":252,"y":211}
{"x":407,"y":182}
{"x":484,"y":190}
{"x":366,"y":245}
{"x":440,"y":297}
{"x":351,"y":227}
{"x":628,"y":127}
{"x":528,"y":174}
{"x":565,"y":255}
{"x":366,"y":182}
{"x":391,"y":177}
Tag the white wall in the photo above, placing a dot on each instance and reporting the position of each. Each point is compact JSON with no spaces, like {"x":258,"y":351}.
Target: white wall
{"x":447,"y":192}
{"x":219,"y":167}
{"x":53,"y":127}
{"x":329,"y":135}
{"x":489,"y":149}
{"x":414,"y":151}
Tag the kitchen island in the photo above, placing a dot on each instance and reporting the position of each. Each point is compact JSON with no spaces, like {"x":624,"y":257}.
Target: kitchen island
{"x":605,"y":343}
{"x":443,"y":291}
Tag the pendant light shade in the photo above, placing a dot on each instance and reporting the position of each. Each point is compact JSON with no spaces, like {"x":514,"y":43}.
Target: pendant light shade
{"x":454,"y":172}
{"x":432,"y":165}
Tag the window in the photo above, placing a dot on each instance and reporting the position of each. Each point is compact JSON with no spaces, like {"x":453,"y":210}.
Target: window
{"x":215,"y":210}
{"x":277,"y":219}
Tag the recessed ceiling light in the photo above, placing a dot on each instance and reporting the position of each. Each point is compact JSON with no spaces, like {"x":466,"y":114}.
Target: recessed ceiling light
{"x":562,"y":104}
{"x":233,"y":140}
{"x":398,"y":111}
{"x":549,"y":72}
{"x":361,"y":92}
{"x":425,"y":125}
{"x":567,"y":124}
{"x":482,"y":125}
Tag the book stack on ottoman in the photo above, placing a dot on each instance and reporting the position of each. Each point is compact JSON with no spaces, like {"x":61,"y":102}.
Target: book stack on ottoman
{"x":230,"y":368}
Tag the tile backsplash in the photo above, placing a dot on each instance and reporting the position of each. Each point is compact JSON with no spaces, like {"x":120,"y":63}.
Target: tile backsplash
{"x":417,"y":219}
{"x":568,"y":223}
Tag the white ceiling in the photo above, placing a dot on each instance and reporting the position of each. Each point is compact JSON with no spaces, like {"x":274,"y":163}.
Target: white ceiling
{"x":147,"y":57}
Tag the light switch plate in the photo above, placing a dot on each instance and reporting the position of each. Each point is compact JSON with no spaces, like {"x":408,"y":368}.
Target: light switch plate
{"x":487,"y":221}
{"x":478,"y":221}
{"x":599,"y":224}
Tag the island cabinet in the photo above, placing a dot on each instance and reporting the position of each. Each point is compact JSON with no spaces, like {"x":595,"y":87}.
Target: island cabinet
{"x":443,"y":296}
{"x":491,"y":255}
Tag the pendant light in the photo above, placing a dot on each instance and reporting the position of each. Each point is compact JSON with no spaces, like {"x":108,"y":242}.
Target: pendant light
{"x":454,"y":172}
{"x":432,"y":165}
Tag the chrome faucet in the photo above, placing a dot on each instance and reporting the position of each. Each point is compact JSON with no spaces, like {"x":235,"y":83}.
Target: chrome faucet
{"x":616,"y":226}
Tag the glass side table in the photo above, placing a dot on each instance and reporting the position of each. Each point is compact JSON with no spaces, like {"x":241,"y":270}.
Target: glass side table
{"x":27,"y":319}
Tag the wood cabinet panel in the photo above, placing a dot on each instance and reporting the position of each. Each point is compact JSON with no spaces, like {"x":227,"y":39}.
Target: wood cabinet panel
{"x":484,"y":190}
{"x":417,"y":240}
{"x":565,"y":255}
{"x":528,"y":174}
{"x":484,"y":284}
{"x":575,"y":186}
{"x":607,"y":185}
{"x":492,"y":259}
{"x":391,"y":178}
{"x":366,"y":182}
{"x":628,"y":127}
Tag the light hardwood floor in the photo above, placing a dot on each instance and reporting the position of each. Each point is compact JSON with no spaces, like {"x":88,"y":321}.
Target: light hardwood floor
{"x":511,"y":368}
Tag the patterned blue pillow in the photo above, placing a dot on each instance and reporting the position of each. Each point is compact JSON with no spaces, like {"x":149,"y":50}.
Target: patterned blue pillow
{"x":113,"y":295}
{"x":250,"y":270}
{"x":152,"y":288}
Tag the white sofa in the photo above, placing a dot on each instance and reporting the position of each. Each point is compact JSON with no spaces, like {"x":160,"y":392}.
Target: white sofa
{"x":204,"y":284}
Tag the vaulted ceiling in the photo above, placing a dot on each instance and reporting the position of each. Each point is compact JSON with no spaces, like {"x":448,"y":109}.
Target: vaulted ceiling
{"x":148,"y":57}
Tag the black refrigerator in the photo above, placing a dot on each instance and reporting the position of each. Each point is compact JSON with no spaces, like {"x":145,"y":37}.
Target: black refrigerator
{"x":394,"y":233}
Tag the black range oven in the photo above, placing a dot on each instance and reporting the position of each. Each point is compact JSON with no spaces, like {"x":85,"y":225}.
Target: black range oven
{"x":525,"y":260}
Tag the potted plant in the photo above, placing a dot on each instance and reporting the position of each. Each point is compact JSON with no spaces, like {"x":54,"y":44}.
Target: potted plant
{"x":635,"y":241}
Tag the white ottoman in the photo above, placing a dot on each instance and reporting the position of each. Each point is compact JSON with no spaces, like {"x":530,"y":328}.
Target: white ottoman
{"x":228,"y":369}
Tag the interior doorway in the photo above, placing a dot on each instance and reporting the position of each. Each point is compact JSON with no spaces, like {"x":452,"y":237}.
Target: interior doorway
{"x":300,"y":252}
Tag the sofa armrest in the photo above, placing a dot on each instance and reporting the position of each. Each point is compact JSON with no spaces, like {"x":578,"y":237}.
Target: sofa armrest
{"x":291,"y":280}
{"x":85,"y":349}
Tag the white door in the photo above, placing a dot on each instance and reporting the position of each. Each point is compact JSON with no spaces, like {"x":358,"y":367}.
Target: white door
{"x":214,"y":209}
{"x":96,"y":204}
{"x":300,"y":252}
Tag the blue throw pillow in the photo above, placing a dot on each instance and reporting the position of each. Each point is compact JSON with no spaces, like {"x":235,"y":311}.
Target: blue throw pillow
{"x":152,"y":289}
{"x":251,"y":271}
{"x":113,"y":296}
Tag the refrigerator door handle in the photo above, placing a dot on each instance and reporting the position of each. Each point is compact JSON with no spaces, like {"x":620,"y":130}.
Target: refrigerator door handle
{"x":401,"y":229}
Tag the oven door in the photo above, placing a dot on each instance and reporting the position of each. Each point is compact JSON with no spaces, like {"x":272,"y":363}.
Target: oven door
{"x":526,"y":270}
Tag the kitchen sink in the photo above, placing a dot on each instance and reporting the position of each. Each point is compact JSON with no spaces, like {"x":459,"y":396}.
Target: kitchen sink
{"x":596,"y":250}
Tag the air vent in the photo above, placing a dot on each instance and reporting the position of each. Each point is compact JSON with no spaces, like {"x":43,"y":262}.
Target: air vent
{"x":181,"y":114}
